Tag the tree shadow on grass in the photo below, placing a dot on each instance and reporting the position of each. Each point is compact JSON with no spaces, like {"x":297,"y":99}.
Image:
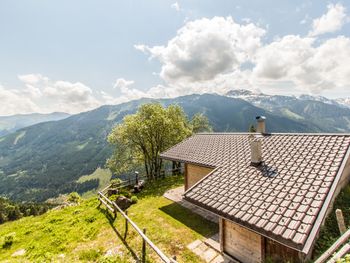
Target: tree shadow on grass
{"x":111,"y":220}
{"x":193,"y":221}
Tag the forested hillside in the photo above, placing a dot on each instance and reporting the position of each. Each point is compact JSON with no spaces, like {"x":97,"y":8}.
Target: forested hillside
{"x":44,"y":160}
{"x":13,"y":123}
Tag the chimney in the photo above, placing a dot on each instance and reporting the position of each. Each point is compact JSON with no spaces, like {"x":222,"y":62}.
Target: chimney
{"x":261,"y":124}
{"x":256,"y":153}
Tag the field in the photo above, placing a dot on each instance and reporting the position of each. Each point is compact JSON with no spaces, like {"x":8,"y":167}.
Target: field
{"x":85,"y":233}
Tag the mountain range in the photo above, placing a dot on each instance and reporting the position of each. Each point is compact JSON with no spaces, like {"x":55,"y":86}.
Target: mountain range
{"x":46,"y":159}
{"x":9,"y":124}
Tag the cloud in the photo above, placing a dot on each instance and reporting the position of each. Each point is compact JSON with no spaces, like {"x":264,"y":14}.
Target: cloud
{"x":332,"y":21}
{"x":122,"y":83}
{"x":306,"y":65}
{"x":40,"y":94}
{"x":204,"y":48}
{"x":176,"y":6}
{"x":13,"y":102}
{"x":218,"y":54}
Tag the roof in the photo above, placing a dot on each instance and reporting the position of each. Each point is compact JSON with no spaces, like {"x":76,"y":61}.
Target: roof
{"x":285,"y":198}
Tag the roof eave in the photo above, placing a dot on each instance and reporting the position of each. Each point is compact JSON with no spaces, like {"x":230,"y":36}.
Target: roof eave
{"x":259,"y":231}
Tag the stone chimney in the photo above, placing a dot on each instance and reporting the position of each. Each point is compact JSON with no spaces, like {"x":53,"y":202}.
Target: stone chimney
{"x":256,"y":153}
{"x":260,"y":124}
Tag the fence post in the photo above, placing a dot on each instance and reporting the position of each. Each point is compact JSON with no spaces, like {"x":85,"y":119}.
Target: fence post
{"x":136,"y":177}
{"x":126,"y":226}
{"x":115,"y":212}
{"x":340,"y":221}
{"x":144,"y":247}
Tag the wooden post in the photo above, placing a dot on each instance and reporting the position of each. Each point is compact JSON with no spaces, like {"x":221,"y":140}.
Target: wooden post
{"x":115,"y":212}
{"x":144,"y":248}
{"x":126,"y":226}
{"x":340,"y":220}
{"x":137,"y":178}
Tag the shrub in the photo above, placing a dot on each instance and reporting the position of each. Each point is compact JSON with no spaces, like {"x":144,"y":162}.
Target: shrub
{"x":134,"y":199}
{"x":8,"y":240}
{"x":125,"y":193}
{"x":90,"y":219}
{"x":90,"y":255}
{"x":115,"y":182}
{"x":74,"y":197}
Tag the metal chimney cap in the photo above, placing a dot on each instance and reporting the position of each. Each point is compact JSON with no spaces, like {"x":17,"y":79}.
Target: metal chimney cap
{"x":260,"y":118}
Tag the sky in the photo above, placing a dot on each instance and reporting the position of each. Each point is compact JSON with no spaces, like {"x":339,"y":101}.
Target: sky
{"x":74,"y":56}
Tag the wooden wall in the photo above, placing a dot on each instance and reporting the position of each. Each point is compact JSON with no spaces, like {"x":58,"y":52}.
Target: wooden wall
{"x":278,"y":253}
{"x":240,"y":243}
{"x":193,"y":173}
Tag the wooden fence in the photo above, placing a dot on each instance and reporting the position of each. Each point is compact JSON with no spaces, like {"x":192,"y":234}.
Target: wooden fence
{"x":330,"y":252}
{"x":115,"y":209}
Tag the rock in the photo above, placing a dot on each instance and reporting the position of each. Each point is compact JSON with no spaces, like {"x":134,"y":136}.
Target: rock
{"x":123,"y":202}
{"x":19,"y":253}
{"x":112,"y":191}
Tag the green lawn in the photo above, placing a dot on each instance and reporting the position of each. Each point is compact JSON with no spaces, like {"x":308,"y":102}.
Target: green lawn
{"x":86,"y":233}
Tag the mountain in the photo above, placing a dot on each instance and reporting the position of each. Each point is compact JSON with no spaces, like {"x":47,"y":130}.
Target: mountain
{"x":318,"y":111}
{"x":13,"y":123}
{"x":46,"y":159}
{"x":344,"y":102}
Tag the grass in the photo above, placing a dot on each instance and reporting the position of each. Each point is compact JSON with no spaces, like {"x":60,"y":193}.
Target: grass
{"x":330,"y":232}
{"x":103,"y":176}
{"x":85,"y":233}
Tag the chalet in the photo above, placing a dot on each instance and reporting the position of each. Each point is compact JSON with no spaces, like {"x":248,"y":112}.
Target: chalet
{"x":272,"y":191}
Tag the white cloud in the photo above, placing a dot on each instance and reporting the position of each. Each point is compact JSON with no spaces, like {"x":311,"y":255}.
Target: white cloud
{"x":40,"y":94}
{"x":122,"y":83}
{"x":204,"y":48}
{"x":332,"y":21}
{"x":176,"y":6}
{"x":307,"y":66}
{"x":13,"y":102}
{"x":215,"y":55}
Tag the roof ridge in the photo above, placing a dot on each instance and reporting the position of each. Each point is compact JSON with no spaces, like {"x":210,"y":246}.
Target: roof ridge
{"x":272,"y":133}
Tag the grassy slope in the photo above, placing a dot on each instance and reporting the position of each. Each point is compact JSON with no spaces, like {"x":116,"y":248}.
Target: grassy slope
{"x":103,"y":176}
{"x":83,"y":232}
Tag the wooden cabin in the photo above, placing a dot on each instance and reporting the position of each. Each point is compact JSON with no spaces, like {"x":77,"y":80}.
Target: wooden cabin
{"x":272,"y":192}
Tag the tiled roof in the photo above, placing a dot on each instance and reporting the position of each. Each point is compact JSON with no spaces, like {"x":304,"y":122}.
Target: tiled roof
{"x":283,"y":197}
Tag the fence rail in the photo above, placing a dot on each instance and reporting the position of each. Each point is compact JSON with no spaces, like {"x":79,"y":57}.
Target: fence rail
{"x":341,"y":241}
{"x":114,"y":208}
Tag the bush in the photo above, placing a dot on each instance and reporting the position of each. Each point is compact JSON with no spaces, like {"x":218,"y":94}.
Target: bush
{"x":90,"y":219}
{"x":8,"y":240}
{"x":134,"y":199}
{"x":74,"y":197}
{"x":115,"y":182}
{"x":125,"y":193}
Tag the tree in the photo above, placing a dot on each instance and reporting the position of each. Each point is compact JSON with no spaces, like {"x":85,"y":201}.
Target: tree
{"x":200,"y":123}
{"x":145,"y":134}
{"x":252,"y":128}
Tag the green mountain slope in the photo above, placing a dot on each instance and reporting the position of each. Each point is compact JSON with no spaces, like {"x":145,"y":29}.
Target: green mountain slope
{"x":13,"y":123}
{"x":44,"y":160}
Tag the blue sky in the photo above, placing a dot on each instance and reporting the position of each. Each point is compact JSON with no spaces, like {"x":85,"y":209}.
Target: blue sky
{"x":76,"y":55}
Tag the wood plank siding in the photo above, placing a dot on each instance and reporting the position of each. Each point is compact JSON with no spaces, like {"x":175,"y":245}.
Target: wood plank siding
{"x":194,"y":173}
{"x":241,"y":244}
